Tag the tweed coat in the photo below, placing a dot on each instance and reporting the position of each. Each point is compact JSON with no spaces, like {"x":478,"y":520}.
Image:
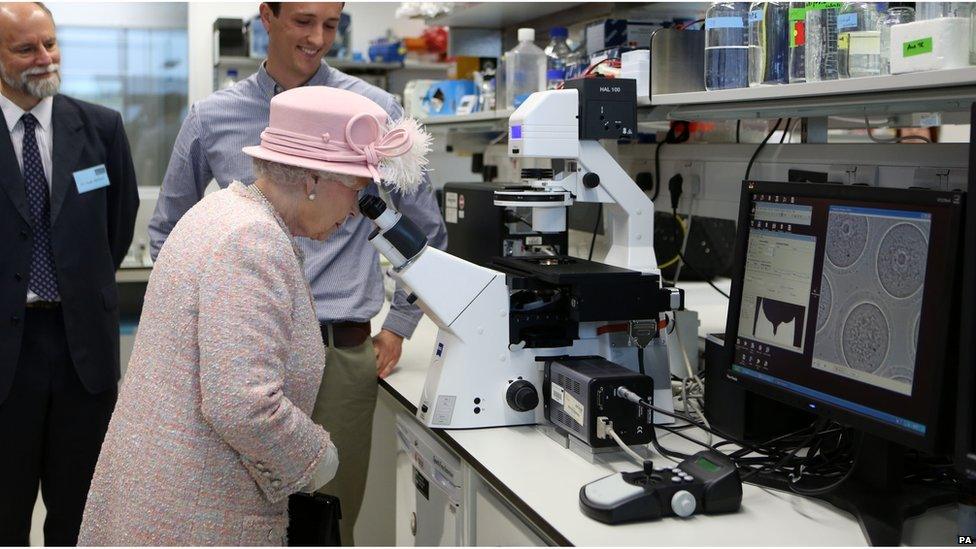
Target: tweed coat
{"x":211,"y":432}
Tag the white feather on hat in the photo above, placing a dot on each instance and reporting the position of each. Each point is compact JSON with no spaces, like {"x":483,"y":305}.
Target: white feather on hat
{"x":405,"y":173}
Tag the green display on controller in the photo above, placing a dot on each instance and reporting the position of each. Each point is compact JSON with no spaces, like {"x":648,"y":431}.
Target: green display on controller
{"x":706,"y":465}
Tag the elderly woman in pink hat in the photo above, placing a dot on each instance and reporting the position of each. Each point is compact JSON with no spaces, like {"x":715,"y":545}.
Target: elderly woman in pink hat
{"x":211,"y":432}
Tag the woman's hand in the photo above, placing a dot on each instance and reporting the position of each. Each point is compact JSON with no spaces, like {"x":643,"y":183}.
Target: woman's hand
{"x":388,"y":347}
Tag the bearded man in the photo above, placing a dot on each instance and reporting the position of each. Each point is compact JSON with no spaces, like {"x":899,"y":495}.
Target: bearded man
{"x":68,"y":201}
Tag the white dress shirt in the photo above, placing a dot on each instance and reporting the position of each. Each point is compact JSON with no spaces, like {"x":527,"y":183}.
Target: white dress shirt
{"x":44,"y":134}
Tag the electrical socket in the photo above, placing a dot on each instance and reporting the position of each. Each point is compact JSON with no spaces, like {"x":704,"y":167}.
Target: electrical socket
{"x":691,"y":172}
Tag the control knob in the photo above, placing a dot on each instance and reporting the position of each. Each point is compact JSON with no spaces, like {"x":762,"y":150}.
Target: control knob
{"x":683,"y":503}
{"x":522,"y":396}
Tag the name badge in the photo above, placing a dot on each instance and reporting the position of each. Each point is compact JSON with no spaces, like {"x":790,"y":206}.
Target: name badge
{"x":90,"y":179}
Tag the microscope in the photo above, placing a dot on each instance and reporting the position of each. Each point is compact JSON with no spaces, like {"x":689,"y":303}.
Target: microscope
{"x":499,"y":327}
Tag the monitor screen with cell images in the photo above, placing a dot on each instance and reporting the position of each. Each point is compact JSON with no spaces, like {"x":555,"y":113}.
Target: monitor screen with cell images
{"x":841,"y":302}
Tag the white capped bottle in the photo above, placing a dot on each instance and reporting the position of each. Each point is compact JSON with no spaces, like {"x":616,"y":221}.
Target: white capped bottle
{"x":525,"y":67}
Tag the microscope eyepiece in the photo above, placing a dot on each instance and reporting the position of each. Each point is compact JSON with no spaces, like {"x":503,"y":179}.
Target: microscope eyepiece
{"x":372,"y":206}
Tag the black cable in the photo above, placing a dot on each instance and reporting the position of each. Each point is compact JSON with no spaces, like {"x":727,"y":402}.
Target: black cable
{"x":738,"y":127}
{"x":596,"y":226}
{"x":856,"y":453}
{"x":657,"y":169}
{"x":786,"y":130}
{"x":670,"y":137}
{"x":760,"y":147}
{"x":821,"y":424}
{"x":688,"y":419}
{"x":640,"y":360}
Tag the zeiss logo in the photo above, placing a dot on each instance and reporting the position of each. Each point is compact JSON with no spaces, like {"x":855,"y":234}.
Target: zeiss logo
{"x":440,"y":349}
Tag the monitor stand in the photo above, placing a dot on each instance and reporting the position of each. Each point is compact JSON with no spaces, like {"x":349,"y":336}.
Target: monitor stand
{"x":875,"y":493}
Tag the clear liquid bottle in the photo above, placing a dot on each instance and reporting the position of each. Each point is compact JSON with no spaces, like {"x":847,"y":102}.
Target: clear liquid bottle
{"x":858,"y":39}
{"x":558,"y":55}
{"x":896,"y":14}
{"x":229,"y":79}
{"x":525,"y":67}
{"x":727,"y":46}
{"x":934,"y":10}
{"x":769,"y":49}
{"x":821,"y":54}
{"x":798,"y":42}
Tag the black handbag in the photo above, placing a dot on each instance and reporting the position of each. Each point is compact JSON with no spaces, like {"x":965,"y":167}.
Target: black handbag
{"x":313,"y":520}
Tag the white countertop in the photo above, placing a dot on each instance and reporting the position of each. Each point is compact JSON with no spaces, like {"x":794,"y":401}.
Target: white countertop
{"x":535,"y":469}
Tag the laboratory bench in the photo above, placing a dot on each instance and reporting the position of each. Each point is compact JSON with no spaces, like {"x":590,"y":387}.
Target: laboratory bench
{"x":518,"y":486}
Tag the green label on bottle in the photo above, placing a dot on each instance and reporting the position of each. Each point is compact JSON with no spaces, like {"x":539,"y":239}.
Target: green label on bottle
{"x":824,"y":5}
{"x":798,"y":14}
{"x":916,"y":47}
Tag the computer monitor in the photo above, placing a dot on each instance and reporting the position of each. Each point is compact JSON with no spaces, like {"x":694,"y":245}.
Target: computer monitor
{"x":844,"y":302}
{"x":841,"y":300}
{"x":966,"y":409}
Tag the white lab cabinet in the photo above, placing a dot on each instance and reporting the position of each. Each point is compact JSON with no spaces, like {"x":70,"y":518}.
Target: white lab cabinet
{"x":429,"y":489}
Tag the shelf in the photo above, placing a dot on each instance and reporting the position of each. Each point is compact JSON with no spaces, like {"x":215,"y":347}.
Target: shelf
{"x":498,"y":15}
{"x":475,"y":122}
{"x":343,"y":64}
{"x":935,"y":91}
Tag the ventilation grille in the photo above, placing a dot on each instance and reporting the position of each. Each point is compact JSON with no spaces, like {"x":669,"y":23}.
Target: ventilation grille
{"x":567,"y":383}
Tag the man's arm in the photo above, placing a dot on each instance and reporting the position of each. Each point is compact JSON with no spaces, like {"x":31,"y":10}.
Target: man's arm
{"x":123,"y":194}
{"x":186,"y":178}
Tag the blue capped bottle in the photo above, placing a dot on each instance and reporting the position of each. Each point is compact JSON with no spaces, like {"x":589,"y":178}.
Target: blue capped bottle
{"x":727,"y":46}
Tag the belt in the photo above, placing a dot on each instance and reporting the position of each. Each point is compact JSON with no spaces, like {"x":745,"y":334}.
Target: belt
{"x":346,"y":334}
{"x":46,"y":305}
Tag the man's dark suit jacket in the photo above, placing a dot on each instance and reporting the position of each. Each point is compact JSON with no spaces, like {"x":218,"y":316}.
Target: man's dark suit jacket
{"x":90,"y":235}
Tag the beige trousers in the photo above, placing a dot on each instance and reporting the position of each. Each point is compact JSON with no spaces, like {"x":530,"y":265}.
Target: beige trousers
{"x":344,"y":407}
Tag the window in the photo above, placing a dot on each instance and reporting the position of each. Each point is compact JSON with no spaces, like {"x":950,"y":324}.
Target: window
{"x":140,"y":72}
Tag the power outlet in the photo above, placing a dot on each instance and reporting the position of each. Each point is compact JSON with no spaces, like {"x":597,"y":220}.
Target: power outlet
{"x":691,"y":172}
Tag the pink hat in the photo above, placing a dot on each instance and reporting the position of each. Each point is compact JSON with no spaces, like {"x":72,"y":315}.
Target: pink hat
{"x":334,"y":130}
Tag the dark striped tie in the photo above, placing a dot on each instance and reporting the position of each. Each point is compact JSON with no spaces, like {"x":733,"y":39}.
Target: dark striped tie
{"x":43,"y":280}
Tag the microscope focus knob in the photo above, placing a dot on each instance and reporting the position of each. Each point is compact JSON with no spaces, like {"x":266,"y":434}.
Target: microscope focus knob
{"x":683,"y":503}
{"x":591,"y":180}
{"x":522,"y":396}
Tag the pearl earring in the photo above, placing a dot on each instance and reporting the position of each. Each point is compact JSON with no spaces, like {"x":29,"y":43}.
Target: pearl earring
{"x":311,"y":196}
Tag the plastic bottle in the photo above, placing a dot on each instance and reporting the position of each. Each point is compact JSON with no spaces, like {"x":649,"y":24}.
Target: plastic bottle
{"x":727,"y":46}
{"x":769,"y":51}
{"x":934,"y":10}
{"x":558,"y":56}
{"x":230,"y":79}
{"x":821,"y":28}
{"x":525,"y":67}
{"x":578,"y":62}
{"x":894,"y":15}
{"x":798,"y":42}
{"x":859,"y":39}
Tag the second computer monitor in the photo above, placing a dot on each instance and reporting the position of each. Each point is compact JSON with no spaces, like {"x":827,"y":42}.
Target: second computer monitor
{"x":841,"y":302}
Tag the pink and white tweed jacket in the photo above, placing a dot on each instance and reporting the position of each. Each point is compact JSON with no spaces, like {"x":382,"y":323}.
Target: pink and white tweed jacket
{"x":212,"y":432}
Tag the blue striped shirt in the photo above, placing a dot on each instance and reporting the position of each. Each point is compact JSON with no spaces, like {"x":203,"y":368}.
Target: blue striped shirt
{"x":343,"y":271}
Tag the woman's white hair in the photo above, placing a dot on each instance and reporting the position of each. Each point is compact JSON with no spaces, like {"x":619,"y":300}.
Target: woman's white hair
{"x":283,"y":174}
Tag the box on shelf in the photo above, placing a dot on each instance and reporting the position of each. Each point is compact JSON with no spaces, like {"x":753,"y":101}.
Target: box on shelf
{"x":928,"y":45}
{"x":449,"y":97}
{"x":463,"y":67}
{"x":636,"y":65}
{"x":612,"y":33}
